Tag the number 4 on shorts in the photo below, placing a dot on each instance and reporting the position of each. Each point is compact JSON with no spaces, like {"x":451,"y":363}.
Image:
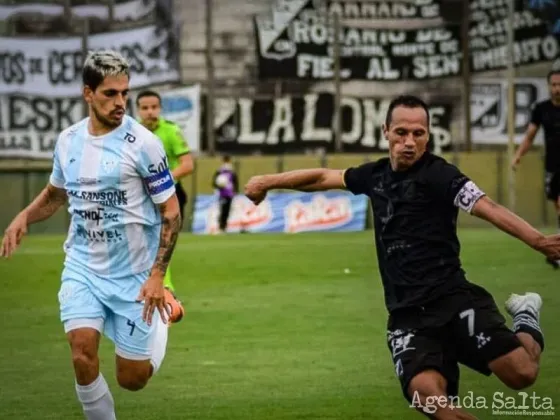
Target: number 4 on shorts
{"x":132,"y":326}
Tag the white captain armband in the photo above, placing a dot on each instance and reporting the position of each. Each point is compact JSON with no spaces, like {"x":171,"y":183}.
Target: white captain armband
{"x":467,"y":196}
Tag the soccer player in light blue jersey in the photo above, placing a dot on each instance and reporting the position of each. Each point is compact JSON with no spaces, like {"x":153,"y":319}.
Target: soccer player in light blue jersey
{"x":125,"y":220}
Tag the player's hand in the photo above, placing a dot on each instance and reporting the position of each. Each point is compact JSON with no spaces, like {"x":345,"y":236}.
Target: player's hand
{"x":13,"y":235}
{"x":152,"y":294}
{"x":550,"y":246}
{"x":256,"y":189}
{"x":515,"y":162}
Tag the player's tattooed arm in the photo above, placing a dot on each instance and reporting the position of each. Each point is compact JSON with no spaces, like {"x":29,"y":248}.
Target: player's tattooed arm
{"x":170,"y":227}
{"x":45,"y":204}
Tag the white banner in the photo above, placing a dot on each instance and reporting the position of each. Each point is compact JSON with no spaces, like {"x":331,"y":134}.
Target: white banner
{"x":130,"y":10}
{"x":30,"y":125}
{"x":53,"y":66}
{"x":182,"y":106}
{"x":489,"y":108}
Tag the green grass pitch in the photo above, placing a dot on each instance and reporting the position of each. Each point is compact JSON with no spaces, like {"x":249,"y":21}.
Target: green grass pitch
{"x":276,"y":328}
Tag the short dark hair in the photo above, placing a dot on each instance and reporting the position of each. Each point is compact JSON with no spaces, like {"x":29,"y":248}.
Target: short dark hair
{"x":407,"y":101}
{"x":226,"y":158}
{"x":145,"y":94}
{"x":552,"y":73}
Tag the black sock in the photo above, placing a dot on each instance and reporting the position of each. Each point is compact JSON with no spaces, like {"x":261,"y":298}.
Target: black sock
{"x":526,"y":322}
{"x":559,"y":222}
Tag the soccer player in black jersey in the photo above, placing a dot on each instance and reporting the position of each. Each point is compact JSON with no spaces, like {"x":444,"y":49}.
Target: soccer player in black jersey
{"x":546,"y":114}
{"x":437,"y":319}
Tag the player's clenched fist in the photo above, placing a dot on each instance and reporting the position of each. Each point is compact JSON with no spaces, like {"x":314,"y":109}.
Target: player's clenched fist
{"x":256,"y":189}
{"x":13,"y":235}
{"x":550,"y":246}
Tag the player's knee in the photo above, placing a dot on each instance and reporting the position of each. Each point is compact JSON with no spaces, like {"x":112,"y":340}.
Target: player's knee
{"x":133,"y":375}
{"x":427,"y":384}
{"x":132,"y":381}
{"x":516,"y":369}
{"x":523,"y":375}
{"x":84,"y":351}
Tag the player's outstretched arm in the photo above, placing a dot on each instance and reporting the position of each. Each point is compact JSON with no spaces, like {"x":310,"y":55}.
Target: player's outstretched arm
{"x":186,"y":166}
{"x":44,"y":206}
{"x":307,"y":180}
{"x":509,"y":222}
{"x":526,"y":144}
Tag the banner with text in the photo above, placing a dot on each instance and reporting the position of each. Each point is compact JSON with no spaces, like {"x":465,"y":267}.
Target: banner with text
{"x":30,"y":125}
{"x":52,"y":67}
{"x":295,"y":40}
{"x":298,"y":43}
{"x":127,"y":10}
{"x":534,"y":41}
{"x":489,"y":111}
{"x":368,"y":10}
{"x":285,"y":212}
{"x":296,"y":124}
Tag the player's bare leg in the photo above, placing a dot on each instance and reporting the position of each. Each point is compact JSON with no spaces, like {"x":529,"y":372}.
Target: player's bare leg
{"x":134,"y":372}
{"x":133,"y":375}
{"x":91,"y":387}
{"x":427,"y":391}
{"x":519,"y":368}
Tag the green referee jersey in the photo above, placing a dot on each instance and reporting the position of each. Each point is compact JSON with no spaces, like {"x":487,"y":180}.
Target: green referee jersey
{"x":173,"y":141}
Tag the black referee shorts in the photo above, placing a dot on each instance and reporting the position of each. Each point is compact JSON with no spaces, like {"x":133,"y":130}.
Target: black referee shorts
{"x":552,"y":185}
{"x":182,"y":197}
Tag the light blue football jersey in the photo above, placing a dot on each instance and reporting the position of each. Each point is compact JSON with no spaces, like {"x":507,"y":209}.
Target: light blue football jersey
{"x":114,"y":183}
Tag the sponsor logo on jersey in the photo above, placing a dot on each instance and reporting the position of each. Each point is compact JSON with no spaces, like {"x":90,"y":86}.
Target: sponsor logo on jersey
{"x":97,"y":215}
{"x":160,"y":167}
{"x":97,"y":235}
{"x":104,"y":198}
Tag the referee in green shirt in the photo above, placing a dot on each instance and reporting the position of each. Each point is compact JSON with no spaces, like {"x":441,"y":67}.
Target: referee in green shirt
{"x":148,"y":105}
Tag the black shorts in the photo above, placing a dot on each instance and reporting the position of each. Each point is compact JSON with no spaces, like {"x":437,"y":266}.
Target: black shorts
{"x":463,"y":327}
{"x":552,"y":185}
{"x":182,"y":198}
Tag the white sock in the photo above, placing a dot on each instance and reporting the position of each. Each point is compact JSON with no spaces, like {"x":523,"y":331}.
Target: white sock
{"x":159,"y":344}
{"x":96,"y":399}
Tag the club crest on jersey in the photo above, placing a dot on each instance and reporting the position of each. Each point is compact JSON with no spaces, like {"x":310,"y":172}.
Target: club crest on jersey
{"x":109,"y":165}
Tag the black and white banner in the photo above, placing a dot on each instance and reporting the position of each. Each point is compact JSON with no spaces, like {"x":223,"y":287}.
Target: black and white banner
{"x":297,"y":124}
{"x":124,"y":10}
{"x":295,"y":41}
{"x":30,"y":125}
{"x":298,"y":43}
{"x":534,"y":41}
{"x":415,"y":9}
{"x":489,"y":111}
{"x":52,"y":67}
